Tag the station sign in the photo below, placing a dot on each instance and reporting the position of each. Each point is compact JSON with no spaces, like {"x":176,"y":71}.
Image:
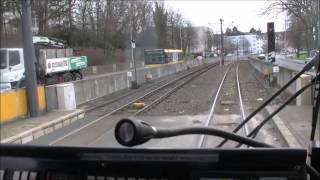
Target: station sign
{"x":275,"y":69}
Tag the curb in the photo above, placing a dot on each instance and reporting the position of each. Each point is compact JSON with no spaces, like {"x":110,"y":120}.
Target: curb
{"x":287,"y":135}
{"x":45,"y":128}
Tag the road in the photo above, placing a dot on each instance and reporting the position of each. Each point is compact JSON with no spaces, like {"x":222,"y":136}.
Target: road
{"x":289,"y":64}
{"x":293,"y":65}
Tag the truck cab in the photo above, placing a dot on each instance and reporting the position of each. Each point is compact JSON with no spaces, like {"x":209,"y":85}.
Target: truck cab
{"x":11,"y":67}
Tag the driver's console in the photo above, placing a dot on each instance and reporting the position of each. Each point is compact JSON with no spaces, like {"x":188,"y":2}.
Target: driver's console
{"x":64,"y":163}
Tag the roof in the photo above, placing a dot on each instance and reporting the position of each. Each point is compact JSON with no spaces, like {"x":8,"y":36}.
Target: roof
{"x":40,"y":39}
{"x":173,"y":50}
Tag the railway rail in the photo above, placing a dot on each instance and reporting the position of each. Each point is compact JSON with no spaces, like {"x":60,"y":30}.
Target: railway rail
{"x":93,"y":105}
{"x":149,"y":99}
{"x":228,"y":81}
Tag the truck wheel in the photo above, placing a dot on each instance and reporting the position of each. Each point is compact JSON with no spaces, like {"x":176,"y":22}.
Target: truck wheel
{"x":76,"y":76}
{"x":52,"y":80}
{"x":67,"y":77}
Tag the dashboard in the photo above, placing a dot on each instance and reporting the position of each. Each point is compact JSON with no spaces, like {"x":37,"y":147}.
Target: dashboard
{"x":24,"y":162}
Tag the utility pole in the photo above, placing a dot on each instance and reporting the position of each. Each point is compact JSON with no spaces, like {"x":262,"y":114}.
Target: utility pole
{"x":318,"y":39}
{"x":237,"y":50}
{"x":134,"y":83}
{"x":221,"y":40}
{"x":29,"y":60}
{"x":242,"y":45}
{"x":172,"y":43}
{"x":180,"y":39}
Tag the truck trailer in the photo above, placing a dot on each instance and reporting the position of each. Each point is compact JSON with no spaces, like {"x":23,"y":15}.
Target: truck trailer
{"x":54,"y":64}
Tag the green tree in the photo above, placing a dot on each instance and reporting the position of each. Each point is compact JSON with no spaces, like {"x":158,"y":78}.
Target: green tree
{"x":252,"y":30}
{"x":228,"y":32}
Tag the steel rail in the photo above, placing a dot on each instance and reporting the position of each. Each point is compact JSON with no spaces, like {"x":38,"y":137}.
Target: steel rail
{"x":163,"y":97}
{"x":211,"y":113}
{"x":131,"y":93}
{"x":203,"y":138}
{"x":131,"y":102}
{"x":245,"y":129}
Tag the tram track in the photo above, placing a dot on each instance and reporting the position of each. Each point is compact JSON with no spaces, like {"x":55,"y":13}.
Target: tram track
{"x":149,"y":99}
{"x":225,"y":92}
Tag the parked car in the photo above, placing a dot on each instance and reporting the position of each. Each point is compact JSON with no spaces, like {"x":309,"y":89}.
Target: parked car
{"x":261,"y":57}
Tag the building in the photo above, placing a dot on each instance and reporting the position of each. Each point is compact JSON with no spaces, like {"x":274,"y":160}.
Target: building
{"x":244,"y":44}
{"x":200,"y":44}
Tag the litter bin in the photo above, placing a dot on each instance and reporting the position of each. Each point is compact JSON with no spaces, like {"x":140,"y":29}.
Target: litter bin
{"x":66,"y":97}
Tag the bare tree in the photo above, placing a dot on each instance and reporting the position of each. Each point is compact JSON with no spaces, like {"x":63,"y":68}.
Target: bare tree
{"x":295,"y":35}
{"x":302,"y":12}
{"x":210,"y":39}
{"x":160,"y":17}
{"x":105,"y":25}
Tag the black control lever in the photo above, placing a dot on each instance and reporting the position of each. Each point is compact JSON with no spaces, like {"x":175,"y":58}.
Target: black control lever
{"x":132,"y":132}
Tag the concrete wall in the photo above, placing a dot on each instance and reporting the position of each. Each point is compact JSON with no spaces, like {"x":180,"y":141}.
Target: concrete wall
{"x":100,"y":85}
{"x":283,"y":77}
{"x":14,"y":105}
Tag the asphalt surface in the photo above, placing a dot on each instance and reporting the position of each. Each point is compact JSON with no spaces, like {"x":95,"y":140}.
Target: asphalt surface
{"x":290,"y":64}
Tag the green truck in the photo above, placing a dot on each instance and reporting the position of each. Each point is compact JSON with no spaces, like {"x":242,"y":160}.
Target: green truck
{"x":53,"y":65}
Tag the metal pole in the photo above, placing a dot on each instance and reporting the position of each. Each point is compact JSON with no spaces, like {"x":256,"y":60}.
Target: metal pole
{"x":242,"y":45}
{"x":180,"y":39}
{"x":134,"y":84}
{"x":221,"y":39}
{"x":318,"y":39}
{"x":285,"y":33}
{"x":237,"y":50}
{"x":29,"y":60}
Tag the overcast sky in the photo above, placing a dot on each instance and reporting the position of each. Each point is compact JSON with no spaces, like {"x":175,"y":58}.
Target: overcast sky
{"x":243,"y":14}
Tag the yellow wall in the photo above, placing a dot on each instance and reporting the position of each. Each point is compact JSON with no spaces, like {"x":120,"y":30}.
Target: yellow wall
{"x":13,"y":104}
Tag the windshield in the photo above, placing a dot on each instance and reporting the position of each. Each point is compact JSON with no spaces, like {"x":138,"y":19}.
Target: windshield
{"x":3,"y":59}
{"x":171,"y":64}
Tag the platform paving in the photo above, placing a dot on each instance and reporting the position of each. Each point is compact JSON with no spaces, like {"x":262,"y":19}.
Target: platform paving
{"x":296,"y":120}
{"x":24,"y":130}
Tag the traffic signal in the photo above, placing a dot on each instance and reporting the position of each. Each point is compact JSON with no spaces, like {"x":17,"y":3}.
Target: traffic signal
{"x":271,"y":42}
{"x":271,"y":37}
